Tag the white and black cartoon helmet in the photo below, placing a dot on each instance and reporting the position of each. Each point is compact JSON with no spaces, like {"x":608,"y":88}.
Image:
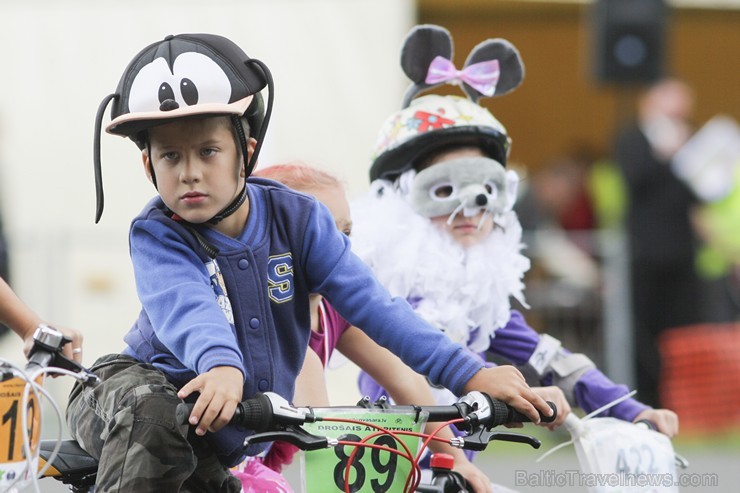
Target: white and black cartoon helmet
{"x":431,"y":122}
{"x":188,"y":75}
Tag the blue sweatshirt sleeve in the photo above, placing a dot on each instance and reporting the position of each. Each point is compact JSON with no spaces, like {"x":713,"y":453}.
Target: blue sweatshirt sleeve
{"x":175,"y":292}
{"x":349,"y":285}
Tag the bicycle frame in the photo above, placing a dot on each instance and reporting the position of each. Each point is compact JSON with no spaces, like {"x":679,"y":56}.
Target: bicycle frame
{"x":268,"y":413}
{"x":75,"y":468}
{"x":475,"y":414}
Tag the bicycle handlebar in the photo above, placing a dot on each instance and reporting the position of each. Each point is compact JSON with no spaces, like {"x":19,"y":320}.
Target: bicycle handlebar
{"x":46,"y":352}
{"x":256,"y":413}
{"x":265,"y":411}
{"x":273,"y":418}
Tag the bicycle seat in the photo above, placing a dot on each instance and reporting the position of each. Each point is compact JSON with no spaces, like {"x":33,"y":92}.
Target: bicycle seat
{"x":72,"y":465}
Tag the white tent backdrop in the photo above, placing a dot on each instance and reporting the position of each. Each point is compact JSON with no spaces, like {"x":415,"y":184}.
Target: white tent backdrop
{"x":337,"y":76}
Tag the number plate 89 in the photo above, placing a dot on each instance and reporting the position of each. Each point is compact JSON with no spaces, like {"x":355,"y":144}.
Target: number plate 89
{"x":372,"y":470}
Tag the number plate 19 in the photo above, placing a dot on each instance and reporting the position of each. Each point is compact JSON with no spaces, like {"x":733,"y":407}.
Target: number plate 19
{"x":12,"y":458}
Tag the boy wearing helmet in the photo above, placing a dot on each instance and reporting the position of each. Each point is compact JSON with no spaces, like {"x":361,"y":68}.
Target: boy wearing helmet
{"x":454,"y":249}
{"x":224,"y":265}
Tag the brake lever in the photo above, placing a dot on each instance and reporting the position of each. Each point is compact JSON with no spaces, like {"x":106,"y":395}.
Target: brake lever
{"x":47,"y":351}
{"x":294,"y":435}
{"x":681,"y":461}
{"x":480,"y":439}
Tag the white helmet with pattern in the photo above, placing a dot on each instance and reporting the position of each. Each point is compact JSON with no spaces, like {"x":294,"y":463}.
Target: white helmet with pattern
{"x":426,"y":124}
{"x":430,"y":123}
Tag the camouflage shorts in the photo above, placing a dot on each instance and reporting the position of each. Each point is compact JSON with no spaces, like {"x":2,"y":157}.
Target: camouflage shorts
{"x":128,"y":423}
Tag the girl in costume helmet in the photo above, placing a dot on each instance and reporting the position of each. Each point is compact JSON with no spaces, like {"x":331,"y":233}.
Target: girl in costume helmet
{"x":438,"y":228}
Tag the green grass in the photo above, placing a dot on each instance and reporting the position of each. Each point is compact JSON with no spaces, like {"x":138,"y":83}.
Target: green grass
{"x":728,"y":441}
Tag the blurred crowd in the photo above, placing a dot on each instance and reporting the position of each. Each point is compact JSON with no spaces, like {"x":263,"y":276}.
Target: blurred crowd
{"x":668,"y":187}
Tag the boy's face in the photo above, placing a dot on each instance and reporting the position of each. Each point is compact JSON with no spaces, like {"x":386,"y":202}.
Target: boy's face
{"x":466,"y":231}
{"x":197,"y":168}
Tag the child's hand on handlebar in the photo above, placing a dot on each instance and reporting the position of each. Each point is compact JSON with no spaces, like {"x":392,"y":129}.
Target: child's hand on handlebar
{"x":507,"y":384}
{"x":72,"y":350}
{"x":555,"y":395}
{"x":665,"y":420}
{"x":220,"y":391}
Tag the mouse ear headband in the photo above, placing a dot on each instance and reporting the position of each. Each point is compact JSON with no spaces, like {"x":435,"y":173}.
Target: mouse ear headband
{"x":428,"y":123}
{"x":493,"y":67}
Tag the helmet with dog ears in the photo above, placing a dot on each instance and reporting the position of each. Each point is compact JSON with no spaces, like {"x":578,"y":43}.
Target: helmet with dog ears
{"x":493,"y":68}
{"x":188,"y":75}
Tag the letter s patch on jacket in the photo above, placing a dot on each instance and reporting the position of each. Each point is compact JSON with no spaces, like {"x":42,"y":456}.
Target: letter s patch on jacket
{"x":280,"y":277}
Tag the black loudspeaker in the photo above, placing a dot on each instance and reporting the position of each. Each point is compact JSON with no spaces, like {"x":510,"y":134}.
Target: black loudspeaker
{"x":628,"y":40}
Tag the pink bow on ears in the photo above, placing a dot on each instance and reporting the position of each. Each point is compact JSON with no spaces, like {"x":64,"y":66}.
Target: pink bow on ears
{"x":482,"y":76}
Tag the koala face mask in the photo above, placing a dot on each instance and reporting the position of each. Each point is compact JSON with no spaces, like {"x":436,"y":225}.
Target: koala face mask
{"x":469,"y":185}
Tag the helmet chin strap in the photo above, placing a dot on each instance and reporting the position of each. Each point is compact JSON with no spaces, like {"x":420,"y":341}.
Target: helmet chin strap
{"x":249,"y":163}
{"x":151,"y":166}
{"x":232,"y":207}
{"x":236,"y":123}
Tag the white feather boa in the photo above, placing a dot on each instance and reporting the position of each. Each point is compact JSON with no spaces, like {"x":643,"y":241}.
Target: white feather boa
{"x":464,"y":292}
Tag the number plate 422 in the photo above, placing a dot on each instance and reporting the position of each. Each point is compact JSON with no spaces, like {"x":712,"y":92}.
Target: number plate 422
{"x":637,"y":460}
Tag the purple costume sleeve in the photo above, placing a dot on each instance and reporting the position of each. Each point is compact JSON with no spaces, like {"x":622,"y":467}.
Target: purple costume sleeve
{"x":594,"y":389}
{"x":517,"y":341}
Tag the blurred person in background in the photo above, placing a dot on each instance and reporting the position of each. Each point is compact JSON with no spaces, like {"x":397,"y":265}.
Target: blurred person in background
{"x":666,"y":290}
{"x":15,"y":315}
{"x":4,"y":264}
{"x":23,"y":321}
{"x":556,"y":214}
{"x":557,"y":194}
{"x":4,"y":269}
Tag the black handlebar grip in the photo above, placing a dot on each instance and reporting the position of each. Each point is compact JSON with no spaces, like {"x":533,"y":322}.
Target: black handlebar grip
{"x":550,"y":419}
{"x":254,"y":413}
{"x":502,"y":413}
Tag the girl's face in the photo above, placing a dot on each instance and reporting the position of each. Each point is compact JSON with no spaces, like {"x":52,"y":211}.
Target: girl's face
{"x":198,"y":170}
{"x":466,"y":231}
{"x":335,"y":199}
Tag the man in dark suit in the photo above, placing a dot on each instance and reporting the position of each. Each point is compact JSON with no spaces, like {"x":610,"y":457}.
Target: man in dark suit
{"x":666,"y":290}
